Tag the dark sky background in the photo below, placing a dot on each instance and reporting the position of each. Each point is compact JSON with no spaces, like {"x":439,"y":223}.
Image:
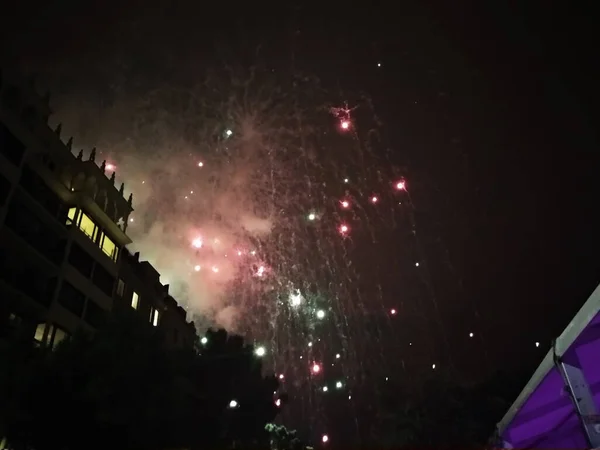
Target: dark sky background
{"x":492,"y":109}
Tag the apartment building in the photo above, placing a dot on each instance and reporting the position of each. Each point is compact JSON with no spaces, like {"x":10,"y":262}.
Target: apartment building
{"x":63,"y":233}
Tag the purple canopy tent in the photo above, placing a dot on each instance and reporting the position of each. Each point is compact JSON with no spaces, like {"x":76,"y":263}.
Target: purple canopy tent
{"x":557,"y":408}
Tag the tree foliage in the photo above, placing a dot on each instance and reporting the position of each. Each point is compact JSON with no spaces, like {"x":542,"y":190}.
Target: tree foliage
{"x":445,"y":413}
{"x":121,"y":388}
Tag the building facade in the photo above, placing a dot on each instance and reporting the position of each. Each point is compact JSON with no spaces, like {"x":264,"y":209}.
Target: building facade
{"x":64,"y":264}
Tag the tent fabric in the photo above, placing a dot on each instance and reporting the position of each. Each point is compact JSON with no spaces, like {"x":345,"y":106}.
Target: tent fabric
{"x":543,"y":415}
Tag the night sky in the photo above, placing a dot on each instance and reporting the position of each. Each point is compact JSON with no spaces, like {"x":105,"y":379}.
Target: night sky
{"x":489,"y":115}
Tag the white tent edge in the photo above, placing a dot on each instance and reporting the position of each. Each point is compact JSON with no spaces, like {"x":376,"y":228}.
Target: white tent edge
{"x":581,"y":320}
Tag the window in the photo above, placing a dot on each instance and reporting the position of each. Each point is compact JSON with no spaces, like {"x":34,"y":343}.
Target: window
{"x":39,"y":333}
{"x":91,"y":230}
{"x":88,"y":226}
{"x":120,"y":287}
{"x":108,"y":247}
{"x":103,"y":279}
{"x":14,"y":320}
{"x":71,"y":299}
{"x":81,"y":260}
{"x":55,"y":336}
{"x":154,"y":316}
{"x":94,"y":314}
{"x":24,"y":222}
{"x":72,"y":216}
{"x":39,"y":190}
{"x":135,"y":300}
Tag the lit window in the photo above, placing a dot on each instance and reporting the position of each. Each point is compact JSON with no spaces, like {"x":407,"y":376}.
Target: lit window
{"x":120,"y":288}
{"x":88,"y":226}
{"x":56,"y":336}
{"x":154,"y":316}
{"x":39,"y":333}
{"x":135,"y":300}
{"x":109,"y":247}
{"x":72,"y":216}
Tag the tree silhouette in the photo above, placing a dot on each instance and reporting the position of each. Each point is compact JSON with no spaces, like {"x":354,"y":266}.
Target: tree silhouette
{"x":121,"y":388}
{"x":283,"y":439}
{"x":231,"y":371}
{"x":445,"y":413}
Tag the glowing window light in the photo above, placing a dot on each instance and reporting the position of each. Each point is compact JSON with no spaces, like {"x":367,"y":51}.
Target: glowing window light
{"x":88,"y":226}
{"x":109,"y":247}
{"x":135,"y":300}
{"x":154,"y":317}
{"x":72,"y":216}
